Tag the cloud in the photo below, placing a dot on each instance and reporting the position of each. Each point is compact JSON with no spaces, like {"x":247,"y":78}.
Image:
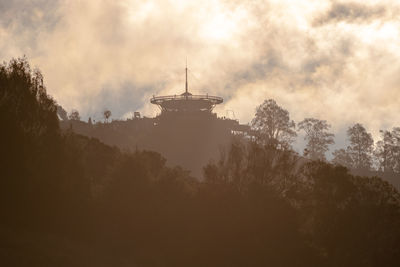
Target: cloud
{"x":352,"y":12}
{"x":116,"y":54}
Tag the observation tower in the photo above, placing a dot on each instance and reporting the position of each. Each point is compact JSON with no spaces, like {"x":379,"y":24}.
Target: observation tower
{"x":186,"y":102}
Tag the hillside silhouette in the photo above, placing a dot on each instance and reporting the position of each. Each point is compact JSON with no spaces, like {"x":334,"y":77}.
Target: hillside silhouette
{"x":186,"y":140}
{"x":192,"y":138}
{"x":71,"y":200}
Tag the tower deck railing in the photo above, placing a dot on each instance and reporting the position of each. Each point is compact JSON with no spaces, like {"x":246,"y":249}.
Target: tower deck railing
{"x":160,"y":99}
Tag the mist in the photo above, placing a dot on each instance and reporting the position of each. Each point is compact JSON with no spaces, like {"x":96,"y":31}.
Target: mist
{"x":329,"y":59}
{"x":199,"y":133}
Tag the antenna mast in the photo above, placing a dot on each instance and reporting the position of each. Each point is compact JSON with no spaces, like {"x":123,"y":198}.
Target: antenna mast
{"x":186,"y":84}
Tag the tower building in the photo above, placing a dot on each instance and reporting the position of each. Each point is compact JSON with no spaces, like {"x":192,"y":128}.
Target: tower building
{"x":186,"y":102}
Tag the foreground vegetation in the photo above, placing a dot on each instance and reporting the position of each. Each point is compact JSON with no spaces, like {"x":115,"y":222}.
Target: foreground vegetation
{"x":69,"y":200}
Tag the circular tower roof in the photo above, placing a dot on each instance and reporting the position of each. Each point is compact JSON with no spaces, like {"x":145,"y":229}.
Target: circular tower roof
{"x":186,"y":101}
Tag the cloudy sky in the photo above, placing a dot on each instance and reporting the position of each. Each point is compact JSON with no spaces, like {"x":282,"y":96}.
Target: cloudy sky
{"x":333,"y":60}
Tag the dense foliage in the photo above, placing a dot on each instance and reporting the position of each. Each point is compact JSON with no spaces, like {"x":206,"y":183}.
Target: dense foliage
{"x":317,"y":136}
{"x":273,"y":125}
{"x":70,"y":200}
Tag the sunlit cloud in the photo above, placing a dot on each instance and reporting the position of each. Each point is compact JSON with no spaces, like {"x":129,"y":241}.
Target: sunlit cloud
{"x":334,"y":60}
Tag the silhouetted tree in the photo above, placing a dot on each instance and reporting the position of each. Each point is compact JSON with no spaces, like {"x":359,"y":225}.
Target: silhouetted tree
{"x":24,"y":102}
{"x":339,"y":209}
{"x":387,"y":150}
{"x":341,"y":157}
{"x":62,"y":113}
{"x":245,"y":163}
{"x":317,"y":136}
{"x":361,"y":146}
{"x":273,"y":125}
{"x":106,"y":114}
{"x":74,"y":115}
{"x":35,"y":179}
{"x":335,"y":209}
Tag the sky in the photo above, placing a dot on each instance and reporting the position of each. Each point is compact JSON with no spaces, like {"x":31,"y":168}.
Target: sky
{"x":332,"y":60}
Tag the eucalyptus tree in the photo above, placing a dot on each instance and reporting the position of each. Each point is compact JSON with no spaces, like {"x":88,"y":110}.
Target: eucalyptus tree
{"x":387,"y":151}
{"x":341,"y":157}
{"x":317,"y":136}
{"x":273,"y":126}
{"x":361,"y":146}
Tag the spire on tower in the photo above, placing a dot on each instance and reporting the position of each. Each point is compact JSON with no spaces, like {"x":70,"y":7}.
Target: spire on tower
{"x":186,"y":84}
{"x":186,"y":101}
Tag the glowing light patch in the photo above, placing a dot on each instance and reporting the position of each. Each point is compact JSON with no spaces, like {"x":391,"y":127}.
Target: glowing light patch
{"x":219,"y":27}
{"x":377,"y":33}
{"x":221,"y":24}
{"x":140,"y":12}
